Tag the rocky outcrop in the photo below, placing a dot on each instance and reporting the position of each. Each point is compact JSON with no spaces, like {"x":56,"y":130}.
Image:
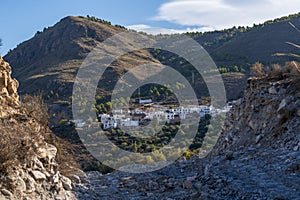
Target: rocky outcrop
{"x":28,"y":168}
{"x":266,"y":117}
{"x":37,"y":179}
{"x":9,"y":97}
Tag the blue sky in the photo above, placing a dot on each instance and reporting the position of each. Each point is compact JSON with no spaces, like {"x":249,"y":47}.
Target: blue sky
{"x":20,"y":20}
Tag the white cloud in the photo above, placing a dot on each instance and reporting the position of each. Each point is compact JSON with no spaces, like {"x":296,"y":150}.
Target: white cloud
{"x":221,"y":14}
{"x":158,"y":30}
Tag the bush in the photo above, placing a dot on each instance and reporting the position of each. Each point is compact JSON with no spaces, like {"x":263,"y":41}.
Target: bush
{"x":15,"y":143}
{"x":258,"y":70}
{"x":35,"y":107}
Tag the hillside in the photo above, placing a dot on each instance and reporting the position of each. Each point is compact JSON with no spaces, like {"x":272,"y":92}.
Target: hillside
{"x":54,"y":55}
{"x":33,"y":164}
{"x":49,"y":62}
{"x":257,"y":155}
{"x":260,"y":44}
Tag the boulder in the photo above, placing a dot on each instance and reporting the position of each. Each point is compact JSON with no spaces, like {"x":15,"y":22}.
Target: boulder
{"x":7,"y":193}
{"x":47,"y":152}
{"x":66,"y":182}
{"x":272,"y":90}
{"x":282,"y":105}
{"x":38,"y":176}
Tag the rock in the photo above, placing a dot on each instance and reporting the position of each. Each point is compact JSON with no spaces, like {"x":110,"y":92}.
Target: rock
{"x":126,"y":179}
{"x":66,"y":182}
{"x":8,"y":86}
{"x":60,"y":197}
{"x":298,"y":113}
{"x":6,"y":193}
{"x":239,"y":102}
{"x":38,"y":176}
{"x":252,"y":125}
{"x":59,"y":187}
{"x":296,"y":148}
{"x":170,"y":183}
{"x":282,"y":91}
{"x":229,"y":156}
{"x":47,"y":152}
{"x":282,"y":105}
{"x":272,"y":90}
{"x":30,"y":184}
{"x":76,"y":179}
{"x":198,"y":186}
{"x":191,"y":178}
{"x":258,"y":139}
{"x":187,"y":184}
{"x":36,"y":164}
{"x":19,"y":184}
{"x":55,"y":178}
{"x":152,"y":185}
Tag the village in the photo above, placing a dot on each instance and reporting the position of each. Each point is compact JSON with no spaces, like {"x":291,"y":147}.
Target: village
{"x":138,"y":117}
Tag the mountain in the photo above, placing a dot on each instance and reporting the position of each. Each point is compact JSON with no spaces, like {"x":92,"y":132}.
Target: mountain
{"x":241,"y":45}
{"x":55,"y":54}
{"x":261,"y":43}
{"x":49,"y":62}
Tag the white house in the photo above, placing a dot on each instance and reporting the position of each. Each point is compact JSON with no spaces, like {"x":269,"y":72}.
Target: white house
{"x":159,"y":115}
{"x":119,"y":116}
{"x":79,"y":123}
{"x":205,"y":109}
{"x":118,"y":111}
{"x":104,"y":117}
{"x":145,"y":101}
{"x":110,"y":124}
{"x":129,"y":123}
{"x":169,"y":117}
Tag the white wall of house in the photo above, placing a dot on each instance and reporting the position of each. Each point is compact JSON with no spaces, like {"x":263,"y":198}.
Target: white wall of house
{"x":129,"y":123}
{"x":110,"y":124}
{"x":145,"y":101}
{"x":118,"y":116}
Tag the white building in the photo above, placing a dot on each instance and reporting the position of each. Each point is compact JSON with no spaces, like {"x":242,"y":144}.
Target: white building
{"x":145,"y":101}
{"x":117,"y":112}
{"x":119,"y":116}
{"x":104,"y":117}
{"x":129,"y":123}
{"x":79,"y":123}
{"x":169,"y":117}
{"x":110,"y":124}
{"x":159,"y":115}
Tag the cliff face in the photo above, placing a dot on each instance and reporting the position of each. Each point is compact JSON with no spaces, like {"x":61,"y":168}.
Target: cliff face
{"x":9,"y":97}
{"x":28,"y":163}
{"x":267,"y":116}
{"x":257,"y":155}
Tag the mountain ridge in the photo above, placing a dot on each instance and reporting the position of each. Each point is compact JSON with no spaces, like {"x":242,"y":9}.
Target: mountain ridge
{"x":48,"y":63}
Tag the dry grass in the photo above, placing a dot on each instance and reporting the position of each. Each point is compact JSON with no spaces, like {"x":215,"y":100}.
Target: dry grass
{"x":35,"y":108}
{"x":291,"y":69}
{"x":15,"y":143}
